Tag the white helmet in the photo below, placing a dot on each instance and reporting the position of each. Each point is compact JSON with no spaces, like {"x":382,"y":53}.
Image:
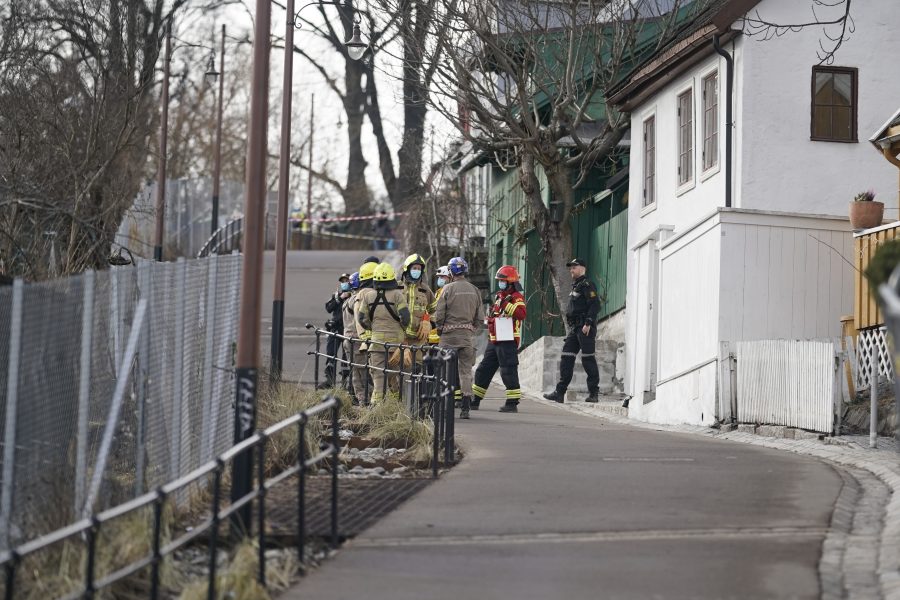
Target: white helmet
{"x":443,"y":271}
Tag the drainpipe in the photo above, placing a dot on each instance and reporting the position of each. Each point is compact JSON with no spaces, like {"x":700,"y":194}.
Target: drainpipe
{"x":729,"y":118}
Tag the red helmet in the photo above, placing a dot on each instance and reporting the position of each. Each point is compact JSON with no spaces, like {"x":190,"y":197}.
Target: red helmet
{"x":507,"y":273}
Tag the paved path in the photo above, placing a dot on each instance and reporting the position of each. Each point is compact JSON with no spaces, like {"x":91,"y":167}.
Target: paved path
{"x":548,"y":504}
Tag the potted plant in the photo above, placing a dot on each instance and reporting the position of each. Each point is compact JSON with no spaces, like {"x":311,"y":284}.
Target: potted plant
{"x":865,"y":212}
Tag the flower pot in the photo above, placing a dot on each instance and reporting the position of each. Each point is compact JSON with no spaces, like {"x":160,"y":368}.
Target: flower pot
{"x":864,"y":215}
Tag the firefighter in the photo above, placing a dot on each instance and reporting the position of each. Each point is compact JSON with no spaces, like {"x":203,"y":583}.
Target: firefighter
{"x":419,"y":298}
{"x":442,"y":279}
{"x":457,"y":316}
{"x":581,"y":318}
{"x":352,"y":349}
{"x":508,"y":304}
{"x":361,"y":375}
{"x":335,"y":324}
{"x":382,"y":309}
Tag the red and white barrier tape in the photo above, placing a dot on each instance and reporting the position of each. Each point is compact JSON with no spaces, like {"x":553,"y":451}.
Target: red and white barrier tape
{"x":358,"y":218}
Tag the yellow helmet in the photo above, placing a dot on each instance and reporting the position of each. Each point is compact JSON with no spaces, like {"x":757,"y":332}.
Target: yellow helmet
{"x":385,"y":272}
{"x":367,"y":271}
{"x":413,"y":259}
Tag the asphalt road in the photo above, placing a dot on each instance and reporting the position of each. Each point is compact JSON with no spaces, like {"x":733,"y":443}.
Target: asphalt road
{"x":548,"y":504}
{"x":311,"y":277}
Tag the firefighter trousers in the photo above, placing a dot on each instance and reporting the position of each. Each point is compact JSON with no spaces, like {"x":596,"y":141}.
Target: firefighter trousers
{"x":577,"y":341}
{"x":359,"y":375}
{"x":503,"y":356}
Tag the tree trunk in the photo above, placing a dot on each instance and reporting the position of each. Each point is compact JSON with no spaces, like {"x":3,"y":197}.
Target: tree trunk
{"x":556,"y":238}
{"x":357,"y":200}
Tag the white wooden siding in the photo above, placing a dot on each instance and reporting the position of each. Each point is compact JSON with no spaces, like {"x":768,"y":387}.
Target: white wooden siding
{"x":782,"y":382}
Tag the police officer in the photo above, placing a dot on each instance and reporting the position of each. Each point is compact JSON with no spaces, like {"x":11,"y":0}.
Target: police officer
{"x":581,"y":317}
{"x":352,"y":349}
{"x":335,"y":324}
{"x":503,"y":354}
{"x":382,"y":309}
{"x":457,"y":316}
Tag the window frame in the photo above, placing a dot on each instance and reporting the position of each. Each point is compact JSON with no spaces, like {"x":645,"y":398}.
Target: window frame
{"x":687,"y":184}
{"x":648,"y":206}
{"x":706,"y":171}
{"x":854,"y":106}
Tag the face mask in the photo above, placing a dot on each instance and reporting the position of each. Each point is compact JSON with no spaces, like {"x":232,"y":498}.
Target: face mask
{"x":502,"y":285}
{"x":441,"y":282}
{"x":345,"y":287}
{"x":415,"y":273}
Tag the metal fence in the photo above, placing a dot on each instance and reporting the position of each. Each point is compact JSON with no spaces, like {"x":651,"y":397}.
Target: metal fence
{"x":112,"y":383}
{"x":427,"y":388}
{"x":86,"y":535}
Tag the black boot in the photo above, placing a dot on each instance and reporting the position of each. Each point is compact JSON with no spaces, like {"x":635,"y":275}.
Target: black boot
{"x":593,"y":397}
{"x":510,"y":407}
{"x":466,"y":404}
{"x":476,"y":402}
{"x":556,"y":396}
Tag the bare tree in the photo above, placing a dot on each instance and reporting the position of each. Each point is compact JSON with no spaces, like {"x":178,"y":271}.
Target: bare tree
{"x":528,"y":79}
{"x":832,"y":16}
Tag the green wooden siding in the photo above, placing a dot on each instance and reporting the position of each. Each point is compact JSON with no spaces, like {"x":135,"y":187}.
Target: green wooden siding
{"x":599,"y":235}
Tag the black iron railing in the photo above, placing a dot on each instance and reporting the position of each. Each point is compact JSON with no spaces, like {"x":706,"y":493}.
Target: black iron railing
{"x":432,"y":381}
{"x":89,"y":529}
{"x":225,"y":240}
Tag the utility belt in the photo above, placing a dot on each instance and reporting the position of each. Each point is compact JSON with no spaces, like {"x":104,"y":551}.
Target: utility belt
{"x":575,"y":319}
{"x":454,"y":327}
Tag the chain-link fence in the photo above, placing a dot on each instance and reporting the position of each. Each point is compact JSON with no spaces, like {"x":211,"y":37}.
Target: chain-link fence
{"x":112,"y":383}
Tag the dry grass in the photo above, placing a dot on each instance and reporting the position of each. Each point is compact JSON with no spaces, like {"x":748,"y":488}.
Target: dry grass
{"x":59,"y":570}
{"x":388,"y":422}
{"x":237,"y":581}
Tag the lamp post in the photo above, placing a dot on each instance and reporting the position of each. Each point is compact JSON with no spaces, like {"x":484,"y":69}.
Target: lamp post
{"x":247,"y":356}
{"x":355,"y":50}
{"x":211,"y":76}
{"x":163,"y":143}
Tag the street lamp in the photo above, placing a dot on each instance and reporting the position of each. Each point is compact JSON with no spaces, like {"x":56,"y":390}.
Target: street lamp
{"x":355,"y":50}
{"x":211,"y":76}
{"x":163,"y":144}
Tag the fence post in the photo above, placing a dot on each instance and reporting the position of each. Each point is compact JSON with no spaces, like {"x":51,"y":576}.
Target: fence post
{"x":873,"y":396}
{"x":144,"y":373}
{"x":12,"y":397}
{"x":115,"y":321}
{"x":210,"y":322}
{"x":84,"y":389}
{"x":301,"y":490}
{"x":336,"y":450}
{"x":178,"y":377}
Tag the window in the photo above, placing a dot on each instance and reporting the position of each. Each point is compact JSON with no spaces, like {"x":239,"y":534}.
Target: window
{"x":649,"y":161}
{"x":834,"y":100}
{"x":711,"y":121}
{"x":685,"y":138}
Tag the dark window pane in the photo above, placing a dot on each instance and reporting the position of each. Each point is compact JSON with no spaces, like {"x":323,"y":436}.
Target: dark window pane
{"x":843,"y":91}
{"x":822,"y":122}
{"x":823,"y":88}
{"x":841,"y":123}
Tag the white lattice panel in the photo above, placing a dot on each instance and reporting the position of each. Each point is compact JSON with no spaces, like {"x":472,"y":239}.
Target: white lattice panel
{"x":868,"y":342}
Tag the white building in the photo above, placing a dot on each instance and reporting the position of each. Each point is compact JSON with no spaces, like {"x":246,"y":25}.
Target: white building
{"x":767,"y":261}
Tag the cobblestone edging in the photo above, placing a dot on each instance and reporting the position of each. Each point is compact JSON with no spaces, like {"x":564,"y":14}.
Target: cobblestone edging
{"x":866,"y":519}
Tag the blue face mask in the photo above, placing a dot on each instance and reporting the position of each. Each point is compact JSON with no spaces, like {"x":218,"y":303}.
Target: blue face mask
{"x":441,"y":282}
{"x":415,"y":273}
{"x":502,"y":285}
{"x":345,"y":286}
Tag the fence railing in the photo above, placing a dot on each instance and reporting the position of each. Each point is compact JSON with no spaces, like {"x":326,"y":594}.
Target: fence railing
{"x":430,"y":383}
{"x":113,"y":383}
{"x":225,"y":240}
{"x":91,"y":527}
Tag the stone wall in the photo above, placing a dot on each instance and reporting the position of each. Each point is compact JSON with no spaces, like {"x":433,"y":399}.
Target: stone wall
{"x":539,"y":363}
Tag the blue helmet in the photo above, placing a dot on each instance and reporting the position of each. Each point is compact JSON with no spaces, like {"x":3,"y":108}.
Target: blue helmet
{"x":458,"y":265}
{"x":354,"y":281}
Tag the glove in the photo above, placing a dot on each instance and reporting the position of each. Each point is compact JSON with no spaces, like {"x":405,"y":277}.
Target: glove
{"x":394,"y":358}
{"x":424,"y":330}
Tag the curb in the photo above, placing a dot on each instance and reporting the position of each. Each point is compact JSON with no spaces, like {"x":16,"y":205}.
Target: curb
{"x":884,"y":465}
